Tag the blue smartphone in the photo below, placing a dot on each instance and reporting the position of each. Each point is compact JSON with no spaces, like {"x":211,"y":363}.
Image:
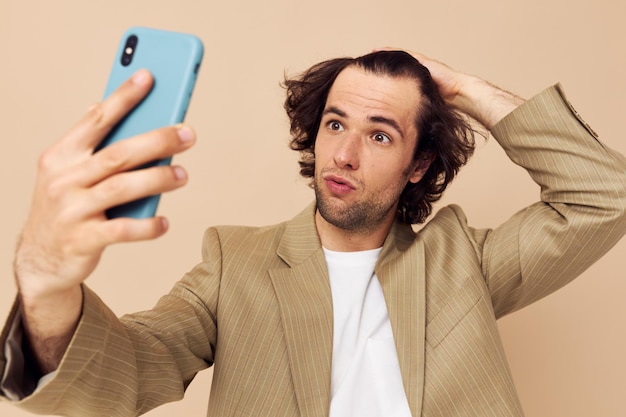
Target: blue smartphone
{"x":174,"y":59}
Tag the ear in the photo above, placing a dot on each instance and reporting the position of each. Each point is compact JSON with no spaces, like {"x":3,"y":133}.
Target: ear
{"x":422,"y":164}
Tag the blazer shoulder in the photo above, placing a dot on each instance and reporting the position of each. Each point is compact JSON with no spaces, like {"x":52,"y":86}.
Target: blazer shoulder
{"x":450,"y":219}
{"x":449,"y":229}
{"x":243,"y":239}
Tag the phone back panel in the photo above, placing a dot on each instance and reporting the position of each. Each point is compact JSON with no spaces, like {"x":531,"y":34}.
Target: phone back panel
{"x":173,"y":59}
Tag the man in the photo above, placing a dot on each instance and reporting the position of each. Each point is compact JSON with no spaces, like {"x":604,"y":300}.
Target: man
{"x":343,"y":310}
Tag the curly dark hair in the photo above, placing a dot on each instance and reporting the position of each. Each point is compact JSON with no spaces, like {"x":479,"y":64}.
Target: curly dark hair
{"x":442,"y":131}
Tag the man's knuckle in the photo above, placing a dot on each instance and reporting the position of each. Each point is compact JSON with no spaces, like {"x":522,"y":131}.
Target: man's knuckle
{"x":112,"y":187}
{"x":119,"y":232}
{"x":95,"y":113}
{"x":164,"y":143}
{"x":49,"y":159}
{"x":113,"y":158}
{"x":97,"y":116}
{"x":55,"y":190}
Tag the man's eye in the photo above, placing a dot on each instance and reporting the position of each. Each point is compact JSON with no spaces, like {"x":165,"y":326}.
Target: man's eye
{"x":381,"y":137}
{"x":335,"y":125}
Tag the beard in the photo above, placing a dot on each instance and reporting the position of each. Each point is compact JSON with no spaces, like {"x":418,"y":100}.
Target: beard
{"x":360,"y":216}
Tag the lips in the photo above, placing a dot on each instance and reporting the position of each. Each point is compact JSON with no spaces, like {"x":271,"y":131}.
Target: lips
{"x":338,"y":185}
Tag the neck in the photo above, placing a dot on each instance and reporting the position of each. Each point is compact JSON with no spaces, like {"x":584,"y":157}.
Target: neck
{"x":341,"y":240}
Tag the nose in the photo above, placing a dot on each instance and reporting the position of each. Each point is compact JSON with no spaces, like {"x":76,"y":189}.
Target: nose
{"x":347,"y":152}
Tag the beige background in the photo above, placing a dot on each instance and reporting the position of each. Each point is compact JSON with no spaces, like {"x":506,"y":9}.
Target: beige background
{"x":566,"y":352}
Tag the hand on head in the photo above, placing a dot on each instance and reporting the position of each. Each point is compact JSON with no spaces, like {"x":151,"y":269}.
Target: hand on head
{"x":471,"y":95}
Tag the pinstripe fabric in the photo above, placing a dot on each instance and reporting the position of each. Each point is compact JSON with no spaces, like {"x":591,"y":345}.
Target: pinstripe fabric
{"x":259,"y":305}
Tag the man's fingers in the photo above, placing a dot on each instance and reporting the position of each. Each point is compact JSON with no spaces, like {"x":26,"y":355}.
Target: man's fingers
{"x":129,"y":186}
{"x":102,"y":116}
{"x":133,"y":152}
{"x":125,"y":229}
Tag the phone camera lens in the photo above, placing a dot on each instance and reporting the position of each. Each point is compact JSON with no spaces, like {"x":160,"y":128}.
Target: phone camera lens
{"x":129,"y":50}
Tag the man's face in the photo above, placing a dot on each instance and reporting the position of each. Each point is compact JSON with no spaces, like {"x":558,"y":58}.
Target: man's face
{"x":364,"y":149}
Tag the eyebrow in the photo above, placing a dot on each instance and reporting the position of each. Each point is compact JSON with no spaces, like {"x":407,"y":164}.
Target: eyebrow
{"x":389,"y":122}
{"x":375,"y":119}
{"x":334,"y":110}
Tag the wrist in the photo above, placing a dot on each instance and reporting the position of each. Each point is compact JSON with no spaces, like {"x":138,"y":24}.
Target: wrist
{"x":49,"y":305}
{"x":52,"y":314}
{"x":40,"y":301}
{"x":49,"y":324}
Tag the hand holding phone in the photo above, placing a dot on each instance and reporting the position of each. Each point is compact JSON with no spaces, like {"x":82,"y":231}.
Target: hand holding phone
{"x":66,"y":231}
{"x":174,"y":60}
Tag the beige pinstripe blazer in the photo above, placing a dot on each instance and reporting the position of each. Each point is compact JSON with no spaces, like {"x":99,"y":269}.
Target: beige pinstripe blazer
{"x":259,"y":305}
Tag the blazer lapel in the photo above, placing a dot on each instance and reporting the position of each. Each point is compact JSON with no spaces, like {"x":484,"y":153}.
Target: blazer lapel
{"x":304,"y":295}
{"x":401,"y":273}
{"x":305,"y":300}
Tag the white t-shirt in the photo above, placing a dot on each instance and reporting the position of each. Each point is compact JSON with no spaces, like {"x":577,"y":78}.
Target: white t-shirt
{"x":366,"y":379}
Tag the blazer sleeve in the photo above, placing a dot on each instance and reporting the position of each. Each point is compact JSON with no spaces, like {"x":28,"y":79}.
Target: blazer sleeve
{"x":581,"y":214}
{"x":127,"y":366}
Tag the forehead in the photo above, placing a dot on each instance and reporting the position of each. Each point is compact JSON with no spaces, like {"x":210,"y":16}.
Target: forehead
{"x":366,"y":92}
